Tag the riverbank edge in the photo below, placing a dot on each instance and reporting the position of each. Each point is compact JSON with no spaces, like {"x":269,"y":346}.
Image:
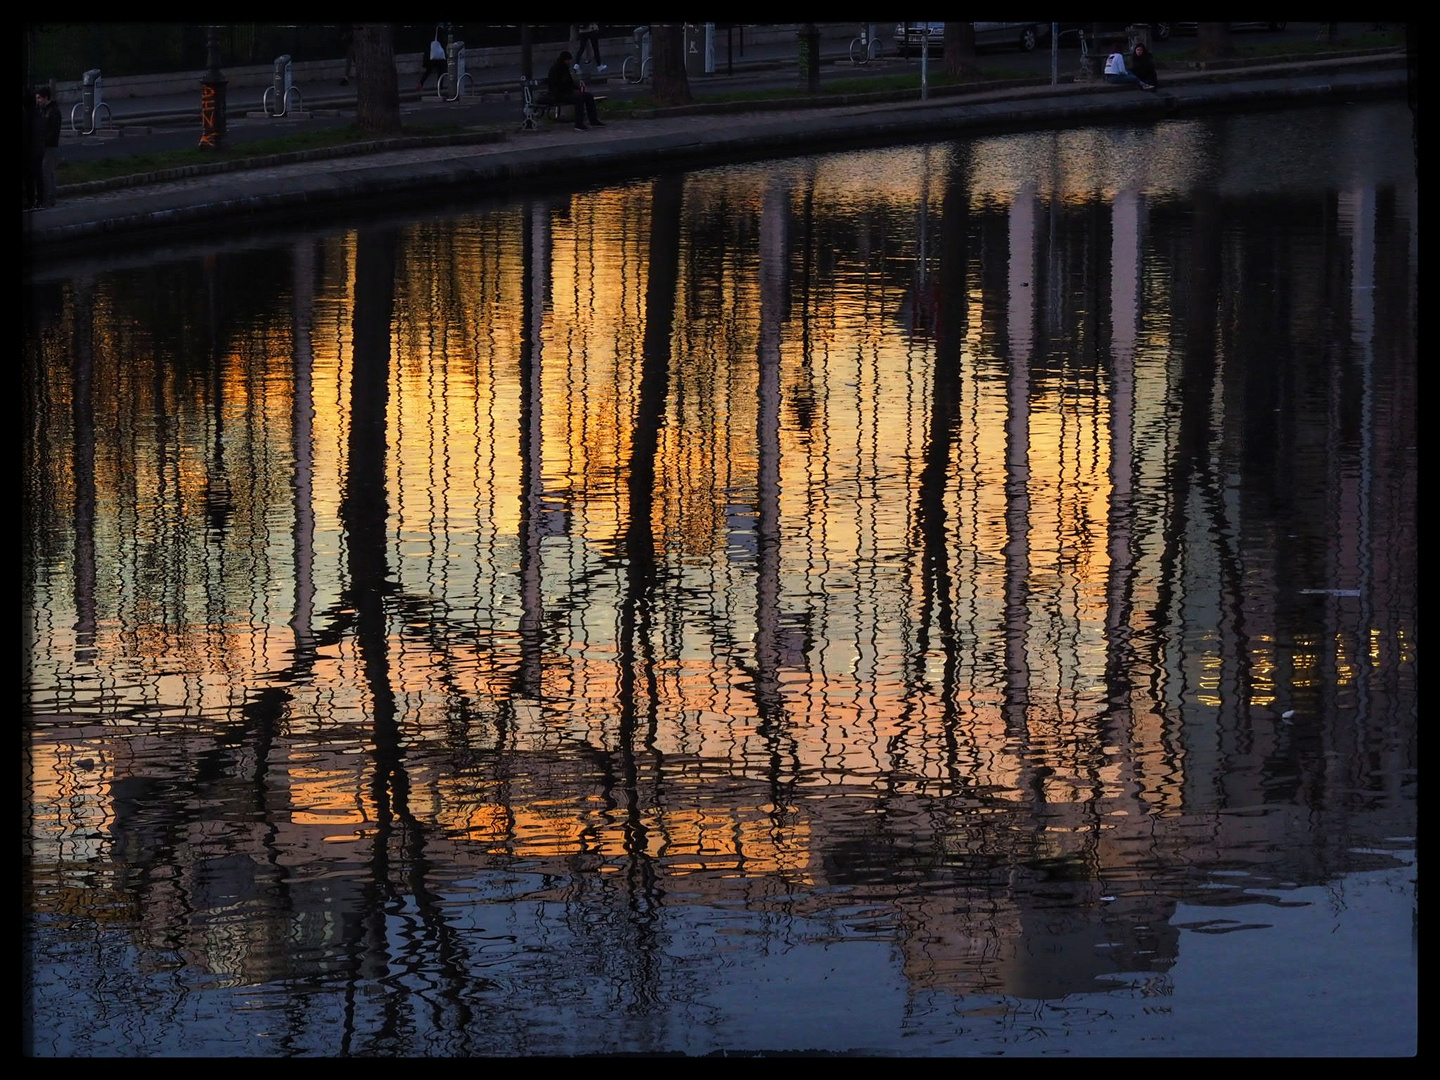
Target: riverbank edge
{"x":247,"y":199}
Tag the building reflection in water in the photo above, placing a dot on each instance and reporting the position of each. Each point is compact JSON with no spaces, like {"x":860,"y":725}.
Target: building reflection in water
{"x":941,"y":546}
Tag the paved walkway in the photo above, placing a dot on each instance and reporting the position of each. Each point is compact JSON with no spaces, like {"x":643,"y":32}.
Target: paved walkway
{"x":224,"y":198}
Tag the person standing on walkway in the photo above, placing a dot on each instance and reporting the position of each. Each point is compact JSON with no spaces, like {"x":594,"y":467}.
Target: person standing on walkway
{"x":564,"y":91}
{"x":347,"y":38}
{"x":48,"y":134}
{"x":32,"y":149}
{"x":436,"y":63}
{"x":590,"y":35}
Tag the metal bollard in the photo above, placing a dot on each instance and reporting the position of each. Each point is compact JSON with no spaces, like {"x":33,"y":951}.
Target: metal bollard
{"x":281,"y":92}
{"x":282,"y":77}
{"x":90,"y":90}
{"x":90,"y":106}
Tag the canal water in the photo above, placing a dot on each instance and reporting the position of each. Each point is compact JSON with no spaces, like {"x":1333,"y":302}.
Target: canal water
{"x":941,"y":600}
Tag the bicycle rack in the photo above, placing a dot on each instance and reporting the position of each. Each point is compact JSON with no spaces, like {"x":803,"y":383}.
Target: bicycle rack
{"x":1091,"y":62}
{"x":640,"y":54}
{"x":455,"y":75}
{"x":90,"y":104}
{"x":869,"y":42}
{"x":281,"y":95}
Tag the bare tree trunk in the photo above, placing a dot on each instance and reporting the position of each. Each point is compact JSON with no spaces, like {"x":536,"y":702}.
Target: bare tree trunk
{"x":810,"y":57}
{"x":1215,"y":40}
{"x":672,"y":84}
{"x":960,"y":60}
{"x":377,"y":85}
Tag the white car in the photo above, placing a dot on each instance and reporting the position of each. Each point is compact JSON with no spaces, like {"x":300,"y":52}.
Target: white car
{"x":1025,"y":36}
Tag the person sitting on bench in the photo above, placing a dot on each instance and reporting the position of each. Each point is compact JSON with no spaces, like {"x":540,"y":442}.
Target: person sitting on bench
{"x":563,"y":91}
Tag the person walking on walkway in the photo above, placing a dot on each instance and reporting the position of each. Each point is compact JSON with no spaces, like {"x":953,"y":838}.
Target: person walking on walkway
{"x":436,"y":63}
{"x":564,"y":91}
{"x":590,"y":35}
{"x":48,"y":134}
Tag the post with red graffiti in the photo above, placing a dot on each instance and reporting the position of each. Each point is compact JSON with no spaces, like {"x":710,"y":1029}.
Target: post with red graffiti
{"x":212,"y":95}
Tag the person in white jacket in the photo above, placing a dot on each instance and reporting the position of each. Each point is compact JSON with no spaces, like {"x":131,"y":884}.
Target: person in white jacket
{"x":436,"y":63}
{"x":1116,"y":72}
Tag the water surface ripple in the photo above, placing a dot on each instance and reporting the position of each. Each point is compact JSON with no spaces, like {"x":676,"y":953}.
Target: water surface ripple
{"x":939,"y":600}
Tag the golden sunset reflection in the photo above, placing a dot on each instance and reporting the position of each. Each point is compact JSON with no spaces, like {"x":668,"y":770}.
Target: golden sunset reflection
{"x":924,"y":511}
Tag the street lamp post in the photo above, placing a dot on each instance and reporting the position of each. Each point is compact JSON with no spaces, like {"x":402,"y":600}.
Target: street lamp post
{"x":212,"y":94}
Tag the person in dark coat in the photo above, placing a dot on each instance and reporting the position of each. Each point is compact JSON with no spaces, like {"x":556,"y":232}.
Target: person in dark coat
{"x":1142,"y":63}
{"x":49,"y":133}
{"x":32,"y":152}
{"x":347,"y":38}
{"x":564,"y":91}
{"x":589,"y":34}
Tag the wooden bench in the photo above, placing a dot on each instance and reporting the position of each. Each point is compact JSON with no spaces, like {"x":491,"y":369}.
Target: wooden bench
{"x":537,"y":104}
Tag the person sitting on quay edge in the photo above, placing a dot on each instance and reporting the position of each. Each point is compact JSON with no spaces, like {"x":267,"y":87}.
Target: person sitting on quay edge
{"x":564,"y":91}
{"x":1117,"y":73}
{"x":1142,"y":63}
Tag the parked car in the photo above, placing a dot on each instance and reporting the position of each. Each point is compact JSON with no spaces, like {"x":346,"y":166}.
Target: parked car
{"x":1070,"y":33}
{"x":1163,"y":31}
{"x":1159,"y":31}
{"x":988,"y":35}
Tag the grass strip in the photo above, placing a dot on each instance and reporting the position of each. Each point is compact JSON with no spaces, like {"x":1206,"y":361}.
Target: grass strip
{"x":81,"y":172}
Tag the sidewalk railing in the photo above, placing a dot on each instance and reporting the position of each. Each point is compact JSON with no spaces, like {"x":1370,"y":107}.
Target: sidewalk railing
{"x":505,"y":62}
